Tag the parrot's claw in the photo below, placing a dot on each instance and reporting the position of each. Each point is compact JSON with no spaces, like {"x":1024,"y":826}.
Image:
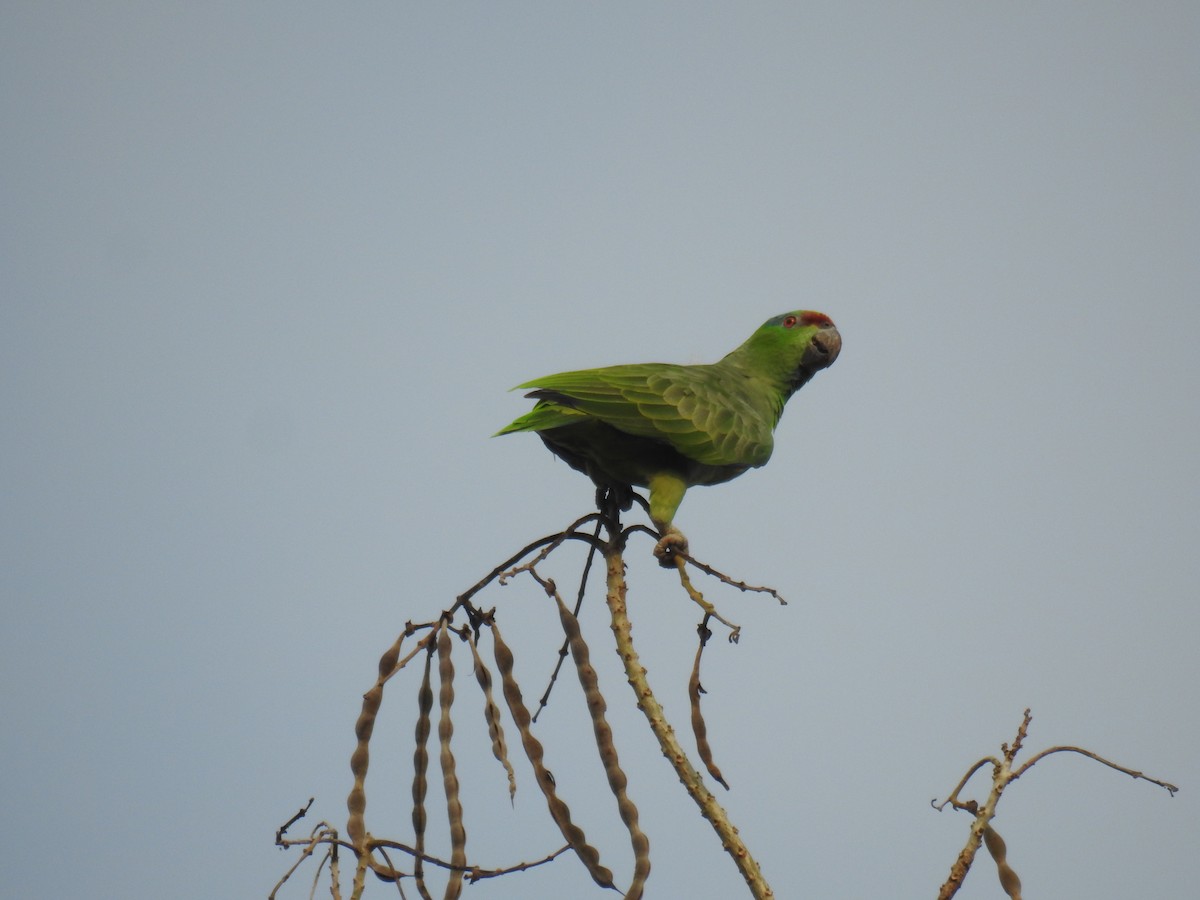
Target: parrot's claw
{"x":672,"y":542}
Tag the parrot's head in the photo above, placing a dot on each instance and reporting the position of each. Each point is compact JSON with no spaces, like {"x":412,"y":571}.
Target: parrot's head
{"x":792,"y":347}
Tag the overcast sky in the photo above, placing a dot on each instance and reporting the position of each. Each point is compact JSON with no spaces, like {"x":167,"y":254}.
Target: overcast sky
{"x":269,"y":269}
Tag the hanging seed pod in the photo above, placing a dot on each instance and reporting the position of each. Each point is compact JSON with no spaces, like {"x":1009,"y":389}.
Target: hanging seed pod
{"x":559,"y":811}
{"x":356,"y":803}
{"x":617,"y":781}
{"x":491,"y":714}
{"x":420,"y":775}
{"x":454,"y":810}
{"x":699,"y":729}
{"x":996,"y":847}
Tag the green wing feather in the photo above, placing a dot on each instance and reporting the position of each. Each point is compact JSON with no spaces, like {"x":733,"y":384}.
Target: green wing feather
{"x":709,"y":414}
{"x":543,"y":417}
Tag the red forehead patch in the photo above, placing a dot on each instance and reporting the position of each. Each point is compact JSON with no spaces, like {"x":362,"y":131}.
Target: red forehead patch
{"x":816,"y":318}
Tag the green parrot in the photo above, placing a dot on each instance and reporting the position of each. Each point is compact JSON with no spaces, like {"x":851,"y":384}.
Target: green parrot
{"x":668,"y":427}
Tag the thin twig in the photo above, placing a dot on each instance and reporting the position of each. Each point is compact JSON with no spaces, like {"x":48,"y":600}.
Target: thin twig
{"x":474,"y":872}
{"x":293,"y":820}
{"x":559,"y":539}
{"x":1168,"y":787}
{"x":740,"y":585}
{"x":571,"y":534}
{"x":710,"y":611}
{"x":705,"y":567}
{"x":310,"y":845}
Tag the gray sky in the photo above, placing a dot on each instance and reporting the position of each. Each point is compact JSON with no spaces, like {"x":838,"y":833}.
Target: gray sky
{"x":269,"y":270}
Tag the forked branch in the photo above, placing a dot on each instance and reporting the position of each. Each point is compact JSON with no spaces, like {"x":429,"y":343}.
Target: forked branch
{"x":1003,"y":774}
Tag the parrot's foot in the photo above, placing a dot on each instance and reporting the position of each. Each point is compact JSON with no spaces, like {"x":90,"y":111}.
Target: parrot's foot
{"x":672,"y":542}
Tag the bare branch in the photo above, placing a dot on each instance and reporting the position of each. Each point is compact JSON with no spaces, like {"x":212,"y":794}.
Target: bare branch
{"x":473,"y":873}
{"x":1169,"y":788}
{"x":1004,"y":774}
{"x":293,"y":820}
{"x":740,"y":585}
{"x":692,"y":781}
{"x":710,"y":611}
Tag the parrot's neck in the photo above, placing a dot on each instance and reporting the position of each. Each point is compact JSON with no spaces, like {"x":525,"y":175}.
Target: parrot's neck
{"x":773,"y":381}
{"x":769,"y":368}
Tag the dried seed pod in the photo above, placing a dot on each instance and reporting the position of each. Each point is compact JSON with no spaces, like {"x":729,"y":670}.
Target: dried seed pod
{"x":420,"y":774}
{"x":617,"y":781}
{"x":699,"y":729}
{"x":356,"y":803}
{"x":491,"y":714}
{"x":559,"y":811}
{"x":387,"y":662}
{"x":454,"y":810}
{"x":996,"y":847}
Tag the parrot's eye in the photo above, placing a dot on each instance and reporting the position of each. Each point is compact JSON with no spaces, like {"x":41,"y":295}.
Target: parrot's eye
{"x":789,"y":322}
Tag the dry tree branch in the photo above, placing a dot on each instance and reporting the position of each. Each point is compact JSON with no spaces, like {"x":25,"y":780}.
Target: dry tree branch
{"x":472,"y":873}
{"x":292,"y":821}
{"x":438,"y":640}
{"x":671,"y":748}
{"x":1003,"y":774}
{"x":555,"y":541}
{"x":325,"y":834}
{"x":315,"y":839}
{"x":1169,"y":788}
{"x":335,"y":875}
{"x":364,"y":846}
{"x":710,"y":611}
{"x":702,"y":566}
{"x":572,"y":533}
{"x":331,"y":857}
{"x":983,"y":815}
{"x":740,"y":585}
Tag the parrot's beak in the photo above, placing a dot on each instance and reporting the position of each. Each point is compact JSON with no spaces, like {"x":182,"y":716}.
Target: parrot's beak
{"x":824,"y":348}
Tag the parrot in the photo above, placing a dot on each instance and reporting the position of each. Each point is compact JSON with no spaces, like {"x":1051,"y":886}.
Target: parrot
{"x":670,"y":427}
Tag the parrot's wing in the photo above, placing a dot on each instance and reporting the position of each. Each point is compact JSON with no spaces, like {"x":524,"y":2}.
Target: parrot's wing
{"x":707,"y":413}
{"x":543,"y":417}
